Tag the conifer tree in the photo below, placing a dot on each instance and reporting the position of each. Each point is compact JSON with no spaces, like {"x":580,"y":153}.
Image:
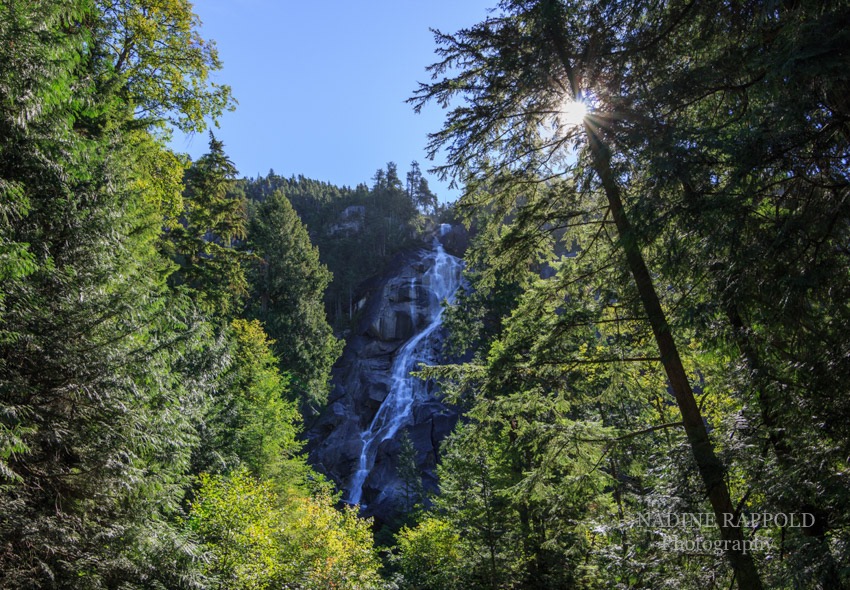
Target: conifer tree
{"x":418,"y":190}
{"x":102,"y":370}
{"x":709,"y":169}
{"x":287,"y":287}
{"x":203,"y":242}
{"x":408,"y":473}
{"x":520,"y":70}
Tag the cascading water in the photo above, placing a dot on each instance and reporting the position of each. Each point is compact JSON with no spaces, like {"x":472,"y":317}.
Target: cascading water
{"x":441,"y":282}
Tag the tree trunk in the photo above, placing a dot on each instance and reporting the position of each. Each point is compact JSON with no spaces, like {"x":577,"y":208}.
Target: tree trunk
{"x":710,"y":467}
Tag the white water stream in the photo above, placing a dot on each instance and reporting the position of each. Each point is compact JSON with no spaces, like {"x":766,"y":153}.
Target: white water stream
{"x":441,"y":281}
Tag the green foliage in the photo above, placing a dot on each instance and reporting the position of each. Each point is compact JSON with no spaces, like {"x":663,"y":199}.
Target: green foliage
{"x":288,"y":284}
{"x":202,"y":242}
{"x":159,"y":176}
{"x":429,"y":556}
{"x":104,"y":393}
{"x":270,"y":422}
{"x":236,"y":518}
{"x":331,"y":548}
{"x":408,"y":473}
{"x":257,"y":539}
{"x":152,"y":51}
{"x":37,"y":79}
{"x":521,"y":485}
{"x":103,"y":371}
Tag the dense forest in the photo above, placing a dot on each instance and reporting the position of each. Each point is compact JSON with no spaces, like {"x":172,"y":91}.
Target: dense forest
{"x":357,"y":231}
{"x":654,"y":326}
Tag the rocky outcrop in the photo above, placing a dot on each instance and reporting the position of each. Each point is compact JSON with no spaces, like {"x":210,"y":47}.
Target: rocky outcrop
{"x":373,"y":400}
{"x":455,"y":240}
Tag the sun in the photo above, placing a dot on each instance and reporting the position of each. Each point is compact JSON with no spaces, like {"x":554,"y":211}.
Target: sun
{"x":572,"y":113}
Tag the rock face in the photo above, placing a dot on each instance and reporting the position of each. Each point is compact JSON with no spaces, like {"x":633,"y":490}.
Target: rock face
{"x":374,"y":399}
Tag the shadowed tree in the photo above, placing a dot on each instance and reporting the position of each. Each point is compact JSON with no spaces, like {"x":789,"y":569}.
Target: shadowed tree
{"x":519,"y":72}
{"x":288,"y":284}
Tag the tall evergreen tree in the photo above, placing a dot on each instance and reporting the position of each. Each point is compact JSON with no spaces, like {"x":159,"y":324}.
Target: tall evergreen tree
{"x":287,"y":288}
{"x":419,"y":191}
{"x":102,"y":370}
{"x":712,"y":141}
{"x":409,"y":474}
{"x":202,"y":242}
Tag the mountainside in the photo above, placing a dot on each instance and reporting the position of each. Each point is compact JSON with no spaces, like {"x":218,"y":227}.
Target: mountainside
{"x":357,"y":230}
{"x":374,"y":403}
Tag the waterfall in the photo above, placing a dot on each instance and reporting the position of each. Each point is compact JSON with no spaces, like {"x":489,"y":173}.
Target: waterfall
{"x":440,"y":281}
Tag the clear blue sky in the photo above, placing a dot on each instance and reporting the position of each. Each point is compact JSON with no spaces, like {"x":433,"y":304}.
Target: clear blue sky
{"x":321,"y":85}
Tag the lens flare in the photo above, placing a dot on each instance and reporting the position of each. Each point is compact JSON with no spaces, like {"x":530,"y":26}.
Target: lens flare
{"x":572,"y":113}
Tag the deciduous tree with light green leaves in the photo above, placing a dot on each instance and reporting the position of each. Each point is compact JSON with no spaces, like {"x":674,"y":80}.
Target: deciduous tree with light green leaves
{"x":257,"y":539}
{"x":151,"y":53}
{"x":429,"y":556}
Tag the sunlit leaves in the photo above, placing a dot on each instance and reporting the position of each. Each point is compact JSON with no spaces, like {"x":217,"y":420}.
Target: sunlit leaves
{"x":430,"y":555}
{"x":258,"y":539}
{"x":235,"y":516}
{"x":162,"y":63}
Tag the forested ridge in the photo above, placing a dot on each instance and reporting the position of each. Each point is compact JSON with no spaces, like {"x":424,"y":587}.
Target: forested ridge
{"x":654,"y":320}
{"x":357,"y":231}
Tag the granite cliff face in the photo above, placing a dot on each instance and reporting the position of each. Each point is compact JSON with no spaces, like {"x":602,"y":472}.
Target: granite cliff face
{"x":374,"y":399}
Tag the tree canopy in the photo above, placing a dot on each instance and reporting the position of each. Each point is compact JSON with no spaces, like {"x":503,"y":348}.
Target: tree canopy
{"x":673,"y":255}
{"x":134,"y":393}
{"x":653,"y":321}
